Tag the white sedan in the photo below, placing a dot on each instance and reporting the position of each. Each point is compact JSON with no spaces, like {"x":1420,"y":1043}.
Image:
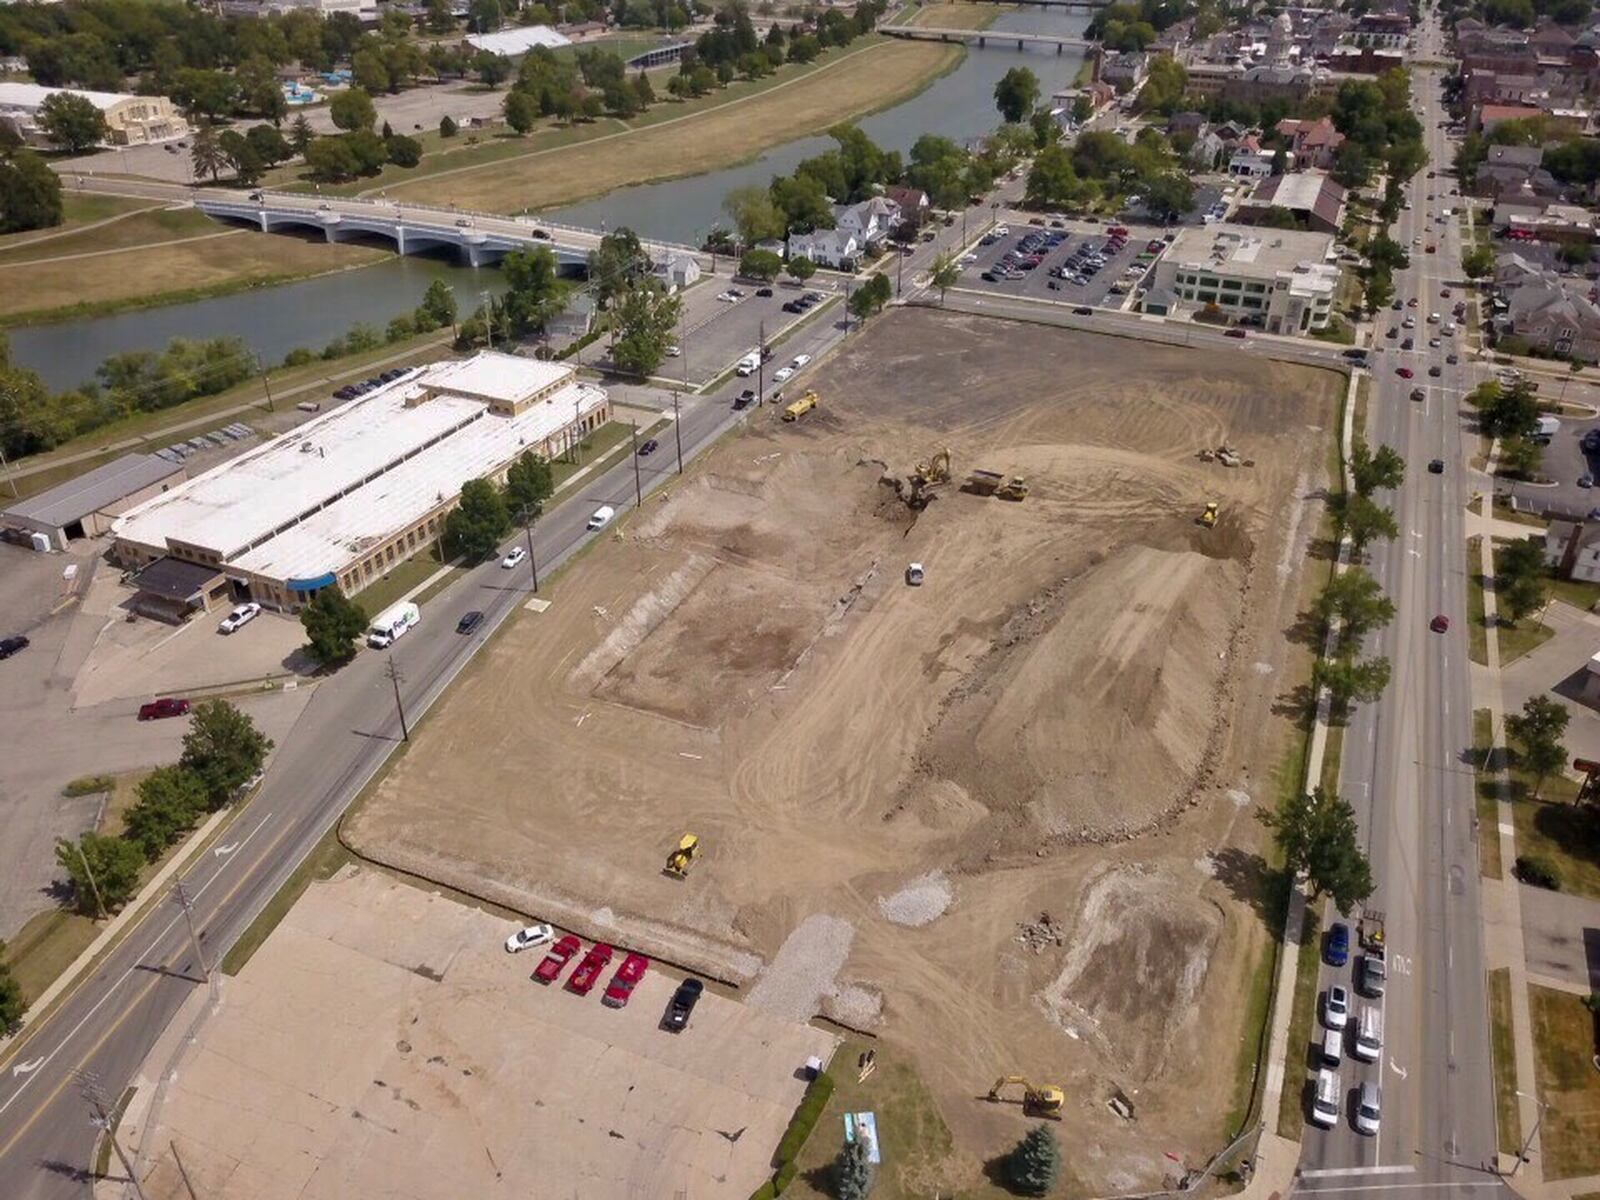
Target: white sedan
{"x":242,"y":615}
{"x":517,"y":554}
{"x":800,"y":360}
{"x":533,"y":935}
{"x":783,"y":375}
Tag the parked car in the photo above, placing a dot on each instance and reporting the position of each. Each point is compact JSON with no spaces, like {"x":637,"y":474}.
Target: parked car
{"x":744,"y":399}
{"x":674,"y":351}
{"x":1325,"y":1099}
{"x":526,"y":939}
{"x":1337,"y":947}
{"x":676,"y":1018}
{"x":620,"y":990}
{"x":582,"y":981}
{"x":794,"y":306}
{"x":241,"y":616}
{"x":1404,"y":372}
{"x":1336,"y":1007}
{"x":167,"y":706}
{"x":1083,"y":311}
{"x":800,"y":360}
{"x":469,"y":621}
{"x":13,"y":645}
{"x":601,"y":517}
{"x":554,"y":962}
{"x":518,"y":553}
{"x":1235,"y":332}
{"x":783,"y":375}
{"x":1369,"y":1103}
{"x":1586,"y":481}
{"x":764,"y":291}
{"x":1435,"y":371}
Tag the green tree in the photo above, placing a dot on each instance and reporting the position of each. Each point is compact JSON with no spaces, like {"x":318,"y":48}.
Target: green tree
{"x":171,"y":799}
{"x":1371,"y":470}
{"x":1034,"y":1166}
{"x":333,"y":623}
{"x":269,"y":144}
{"x":1164,"y":85}
{"x":447,"y":127}
{"x":754,"y":214}
{"x":1521,"y":457}
{"x":241,"y":156}
{"x":870,"y":297}
{"x":852,"y":1172}
{"x":30,"y":194}
{"x":1379,"y":290}
{"x":616,"y":263}
{"x":1357,"y":601}
{"x":1348,"y":678}
{"x":1537,"y":730}
{"x":353,"y":109}
{"x":1505,"y":412}
{"x":522,"y":111}
{"x":476,"y":526}
{"x":1361,"y":519}
{"x":12,"y":1005}
{"x":72,"y":122}
{"x":223,"y":749}
{"x":536,"y":291}
{"x":439,"y":303}
{"x":1169,"y":194}
{"x":945,"y":273}
{"x":206,"y":155}
{"x":403,"y":151}
{"x":529,"y":483}
{"x":645,"y":321}
{"x":800,"y":268}
{"x":1478,"y":262}
{"x":1016,"y":93}
{"x":112,"y":871}
{"x":492,"y":69}
{"x":1317,"y":834}
{"x":300,"y":134}
{"x":760,"y":264}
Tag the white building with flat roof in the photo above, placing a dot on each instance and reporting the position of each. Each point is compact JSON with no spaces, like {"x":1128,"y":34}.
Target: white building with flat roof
{"x":132,"y":120}
{"x":1282,"y":281}
{"x":339,"y":500}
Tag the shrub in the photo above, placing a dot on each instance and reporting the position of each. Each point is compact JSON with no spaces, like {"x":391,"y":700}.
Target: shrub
{"x":785,"y":1176}
{"x":1538,"y":872}
{"x":88,"y":785}
{"x":765,"y":1192}
{"x":806,"y":1116}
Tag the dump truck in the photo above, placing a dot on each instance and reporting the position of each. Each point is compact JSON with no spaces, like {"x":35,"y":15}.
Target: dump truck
{"x":793,"y":412}
{"x":993,"y":483}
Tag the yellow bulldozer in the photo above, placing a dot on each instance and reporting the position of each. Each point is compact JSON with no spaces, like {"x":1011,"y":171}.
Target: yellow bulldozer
{"x":1038,"y":1099}
{"x":1209,"y":517}
{"x":679,"y":860}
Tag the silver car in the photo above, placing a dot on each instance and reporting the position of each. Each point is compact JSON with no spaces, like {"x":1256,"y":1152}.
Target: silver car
{"x":1369,"y":1105}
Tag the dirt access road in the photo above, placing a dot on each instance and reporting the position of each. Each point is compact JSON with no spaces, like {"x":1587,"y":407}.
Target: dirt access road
{"x":1074,"y":715}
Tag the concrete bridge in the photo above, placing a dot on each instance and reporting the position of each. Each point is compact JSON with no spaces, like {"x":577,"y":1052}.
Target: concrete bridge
{"x":480,"y":237}
{"x":982,"y":37}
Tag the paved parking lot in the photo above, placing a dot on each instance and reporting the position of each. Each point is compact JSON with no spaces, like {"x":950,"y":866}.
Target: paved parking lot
{"x":1040,"y":283}
{"x":1556,"y":669}
{"x":384,"y":1044}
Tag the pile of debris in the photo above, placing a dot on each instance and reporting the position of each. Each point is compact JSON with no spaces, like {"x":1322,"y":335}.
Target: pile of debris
{"x":1041,"y":934}
{"x":1225,"y":454}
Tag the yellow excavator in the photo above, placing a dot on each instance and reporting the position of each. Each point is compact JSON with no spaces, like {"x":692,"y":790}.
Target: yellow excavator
{"x":1209,"y":517}
{"x":678,"y":861}
{"x":928,"y":477}
{"x":1038,"y":1099}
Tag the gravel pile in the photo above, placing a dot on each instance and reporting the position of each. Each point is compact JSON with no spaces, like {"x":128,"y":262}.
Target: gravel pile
{"x":804,"y":970}
{"x":854,"y":1007}
{"x":920,"y":902}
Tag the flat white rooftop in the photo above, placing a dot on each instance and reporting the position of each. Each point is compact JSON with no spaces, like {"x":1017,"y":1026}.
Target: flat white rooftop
{"x":1249,"y":250}
{"x":319,"y":497}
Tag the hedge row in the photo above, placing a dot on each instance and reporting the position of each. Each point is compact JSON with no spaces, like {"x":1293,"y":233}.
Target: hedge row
{"x":818,"y":1092}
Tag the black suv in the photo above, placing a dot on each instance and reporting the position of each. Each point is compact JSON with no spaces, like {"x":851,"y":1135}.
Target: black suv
{"x":11,"y":645}
{"x":469,"y":622}
{"x":676,"y":1018}
{"x":745,"y":399}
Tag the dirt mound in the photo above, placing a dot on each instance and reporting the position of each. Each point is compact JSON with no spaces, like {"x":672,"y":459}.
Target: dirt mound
{"x":1140,"y":949}
{"x":1105,"y":663}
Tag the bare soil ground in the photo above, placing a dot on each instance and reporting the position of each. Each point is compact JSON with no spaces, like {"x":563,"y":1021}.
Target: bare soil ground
{"x":1070,"y":717}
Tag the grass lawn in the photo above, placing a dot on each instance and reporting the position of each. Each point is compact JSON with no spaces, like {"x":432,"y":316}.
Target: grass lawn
{"x":917,"y":1142}
{"x":211,"y":261}
{"x":77,"y":209}
{"x":1507,"y":1118}
{"x":1505,"y":512}
{"x":958,"y":15}
{"x":1486,"y":793}
{"x":1564,"y":1043}
{"x":402,"y":577}
{"x":686,"y":140}
{"x":151,"y":225}
{"x":1477,"y":631}
{"x":1575,"y":592}
{"x":1291,"y":1106}
{"x":601,"y":445}
{"x":1555,"y":828}
{"x":1516,"y":640}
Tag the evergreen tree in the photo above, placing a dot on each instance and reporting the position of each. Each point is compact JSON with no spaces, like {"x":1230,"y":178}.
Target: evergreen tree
{"x":852,"y":1172}
{"x":1034,"y":1167}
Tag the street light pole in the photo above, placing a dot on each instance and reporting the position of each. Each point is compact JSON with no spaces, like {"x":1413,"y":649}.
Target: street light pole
{"x":761,"y":366}
{"x":265,"y":386}
{"x":677,"y":429}
{"x":1522,"y":1154}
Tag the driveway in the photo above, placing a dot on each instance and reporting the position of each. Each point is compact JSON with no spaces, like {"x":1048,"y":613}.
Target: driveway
{"x":1561,"y":937}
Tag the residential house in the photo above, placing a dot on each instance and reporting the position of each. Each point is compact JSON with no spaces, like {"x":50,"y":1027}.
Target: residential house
{"x":1313,"y":144}
{"x":870,"y":221}
{"x":1186,"y":122}
{"x":1551,"y":42}
{"x":839,"y":249}
{"x":1249,"y":161}
{"x":1514,"y":171}
{"x":1487,"y":116}
{"x":1208,"y":150}
{"x":1549,"y":317}
{"x":677,"y":270}
{"x":911,"y":202}
{"x":1125,"y":72}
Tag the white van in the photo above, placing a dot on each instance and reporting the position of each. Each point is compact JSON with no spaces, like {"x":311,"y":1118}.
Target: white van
{"x":602,"y":517}
{"x":1369,"y":1034}
{"x":749,"y":364}
{"x":392,"y":624}
{"x":1332,"y":1047}
{"x":1325,"y":1099}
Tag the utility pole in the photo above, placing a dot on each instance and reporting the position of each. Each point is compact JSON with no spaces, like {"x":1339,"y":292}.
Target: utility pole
{"x":7,"y":469}
{"x":100,"y":1117}
{"x":899,"y":268}
{"x":265,"y":386}
{"x":488,"y":317}
{"x":393,"y":672}
{"x":181,"y":895}
{"x":677,"y":429}
{"x":761,"y":366}
{"x":527,"y":516}
{"x":99,"y":904}
{"x":638,"y":492}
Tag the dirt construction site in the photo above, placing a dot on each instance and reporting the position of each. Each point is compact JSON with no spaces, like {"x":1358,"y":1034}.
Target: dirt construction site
{"x":1004,"y":820}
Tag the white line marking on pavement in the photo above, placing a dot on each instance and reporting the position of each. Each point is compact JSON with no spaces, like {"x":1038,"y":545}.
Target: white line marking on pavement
{"x":1329,"y":1172}
{"x":223,"y":851}
{"x":1383,"y":1187}
{"x":1395,"y":1067}
{"x":28,"y":1068}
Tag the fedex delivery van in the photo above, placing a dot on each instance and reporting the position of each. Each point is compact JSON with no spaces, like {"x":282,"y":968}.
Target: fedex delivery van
{"x":393,"y":623}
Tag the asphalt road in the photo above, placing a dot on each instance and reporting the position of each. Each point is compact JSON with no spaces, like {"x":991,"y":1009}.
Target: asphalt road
{"x":1407,"y":771}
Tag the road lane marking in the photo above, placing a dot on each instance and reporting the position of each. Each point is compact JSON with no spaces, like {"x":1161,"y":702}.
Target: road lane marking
{"x":1330,"y":1172}
{"x":28,"y":1068}
{"x":1396,"y":1068}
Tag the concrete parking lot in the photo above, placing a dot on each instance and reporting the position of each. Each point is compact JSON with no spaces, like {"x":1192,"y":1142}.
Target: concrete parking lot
{"x":1040,"y":284}
{"x":1556,"y":669}
{"x":385,"y":1043}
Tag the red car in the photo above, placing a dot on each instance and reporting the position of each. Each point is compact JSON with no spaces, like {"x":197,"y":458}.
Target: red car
{"x":583,"y":979}
{"x":1235,"y":332}
{"x":169,"y":706}
{"x":1405,"y":372}
{"x":1431,"y":248}
{"x":551,"y":966}
{"x":1440,"y":624}
{"x":620,"y":988}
